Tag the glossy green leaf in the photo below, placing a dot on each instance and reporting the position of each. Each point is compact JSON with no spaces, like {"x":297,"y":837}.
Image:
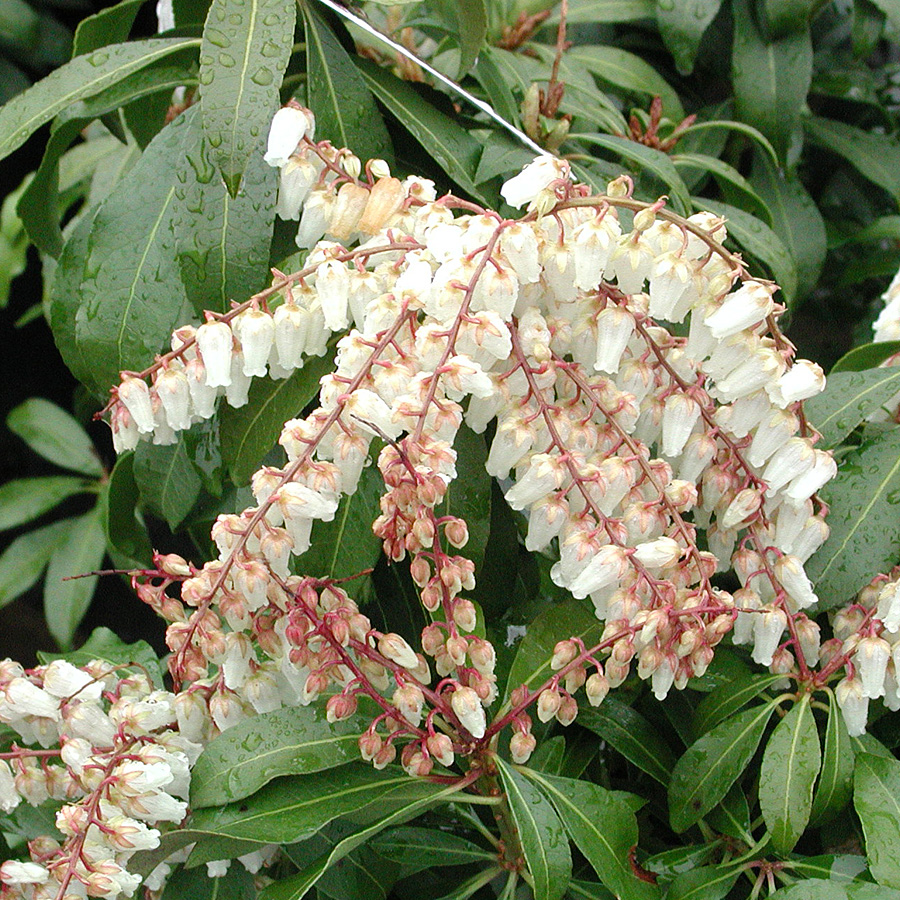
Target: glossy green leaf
{"x":108,"y":26}
{"x":361,"y":873}
{"x":245,"y":50}
{"x":24,"y":560}
{"x":24,"y":499}
{"x":468,"y":20}
{"x":346,"y":113}
{"x":251,"y":431}
{"x":654,"y":162}
{"x":289,"y":741}
{"x":195,"y":884}
{"x":846,"y":867}
{"x":884,"y":228}
{"x":868,"y":891}
{"x":346,"y":546}
{"x":673,"y":862}
{"x":124,"y":531}
{"x":13,"y":240}
{"x":875,"y":156}
{"x":499,"y":91}
{"x":542,"y":835}
{"x":501,"y":156}
{"x":222,"y":239}
{"x":726,"y":700}
{"x":731,"y":815}
{"x":627,"y":72}
{"x":591,"y":11}
{"x":420,"y":848}
{"x":704,"y":883}
{"x":131,"y":295}
{"x":865,"y":527}
{"x":589,"y":890}
{"x":168,"y":481}
{"x":795,"y":219}
{"x":682,"y":26}
{"x":710,"y":766}
{"x":50,"y":431}
{"x":784,"y":17}
{"x":812,"y":889}
{"x":790,"y":766}
{"x":451,"y":146}
{"x":603,"y":828}
{"x":739,"y":128}
{"x":848,"y":399}
{"x":295,"y":887}
{"x":760,"y":241}
{"x":82,"y":77}
{"x":532,"y":663}
{"x":876,"y":797}
{"x":836,"y":778}
{"x":770,"y":78}
{"x":867,"y":356}
{"x":78,"y":552}
{"x":628,"y":732}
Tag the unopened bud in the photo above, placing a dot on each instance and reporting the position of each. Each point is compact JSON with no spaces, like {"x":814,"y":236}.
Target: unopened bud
{"x":441,"y":748}
{"x":339,"y":707}
{"x":457,"y":533}
{"x":420,"y":571}
{"x":468,"y":709}
{"x":567,"y":711}
{"x":596,"y":688}
{"x":464,"y":614}
{"x":482,"y":655}
{"x":393,"y":647}
{"x":563,"y":653}
{"x":548,"y":704}
{"x":521,"y":746}
{"x":173,"y":564}
{"x":385,"y":756}
{"x":456,"y":650}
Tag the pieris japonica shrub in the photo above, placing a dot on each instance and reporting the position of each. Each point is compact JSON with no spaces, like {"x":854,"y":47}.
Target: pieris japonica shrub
{"x":512,"y":550}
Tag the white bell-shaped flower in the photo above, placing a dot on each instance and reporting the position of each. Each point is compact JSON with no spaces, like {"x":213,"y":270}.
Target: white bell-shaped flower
{"x":289,"y":126}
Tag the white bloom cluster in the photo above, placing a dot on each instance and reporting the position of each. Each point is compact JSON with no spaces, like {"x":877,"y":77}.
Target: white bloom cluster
{"x":121,"y":768}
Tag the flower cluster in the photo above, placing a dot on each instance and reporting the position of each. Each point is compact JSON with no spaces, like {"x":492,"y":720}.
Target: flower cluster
{"x":644,"y":462}
{"x":114,"y":761}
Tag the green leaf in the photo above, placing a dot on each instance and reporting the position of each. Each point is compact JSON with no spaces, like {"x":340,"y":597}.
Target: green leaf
{"x":421,"y":848}
{"x":673,"y":862}
{"x":124,"y":531}
{"x":346,"y":113}
{"x":875,"y":156}
{"x":235,"y":884}
{"x":740,"y":128}
{"x":770,"y":78}
{"x":654,"y":162}
{"x":783,"y":17}
{"x":732,"y":815}
{"x":23,"y":561}
{"x":289,"y":741}
{"x":865,"y":527}
{"x":55,"y":435}
{"x":726,"y":700}
{"x":876,"y":797}
{"x":543,"y":838}
{"x":591,"y":11}
{"x":795,"y":219}
{"x":109,"y":26}
{"x":531,"y":666}
{"x":789,"y":770}
{"x":82,"y":77}
{"x":711,"y":766}
{"x":250,"y":432}
{"x":891,"y":10}
{"x":603,"y":828}
{"x":245,"y":50}
{"x":346,"y":546}
{"x":812,"y":889}
{"x":498,"y":89}
{"x":848,"y":399}
{"x":704,"y":883}
{"x":131,"y":295}
{"x":451,"y":146}
{"x":884,"y":228}
{"x":726,"y":175}
{"x":105,"y":645}
{"x":222,"y":239}
{"x":13,"y":240}
{"x":760,"y":241}
{"x":628,"y":732}
{"x":468,"y":20}
{"x":25,"y":499}
{"x":845,"y":868}
{"x":80,"y":551}
{"x":168,"y":482}
{"x":867,"y":356}
{"x":628,"y":72}
{"x":682,"y":26}
{"x":295,"y":887}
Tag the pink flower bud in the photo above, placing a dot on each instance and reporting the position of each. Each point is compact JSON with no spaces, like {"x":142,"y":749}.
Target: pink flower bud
{"x":468,"y":709}
{"x":521,"y":746}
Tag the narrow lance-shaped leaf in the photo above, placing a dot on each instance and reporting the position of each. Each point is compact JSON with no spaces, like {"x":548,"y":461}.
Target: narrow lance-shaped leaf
{"x":682,"y":26}
{"x":866,"y":356}
{"x":290,"y":741}
{"x":711,"y":765}
{"x":245,"y":50}
{"x":703,"y":883}
{"x":23,"y":561}
{"x":346,"y":113}
{"x":591,"y":11}
{"x":420,"y":848}
{"x":789,"y":768}
{"x":865,"y":528}
{"x":836,"y":778}
{"x":770,"y":78}
{"x":603,"y":828}
{"x":628,"y":732}
{"x":168,"y":481}
{"x":82,"y":77}
{"x":55,"y":435}
{"x":124,"y":533}
{"x":109,"y":26}
{"x":541,"y":834}
{"x":876,"y":796}
{"x":848,"y":399}
{"x":726,"y":700}
{"x":24,"y":499}
{"x":79,"y":552}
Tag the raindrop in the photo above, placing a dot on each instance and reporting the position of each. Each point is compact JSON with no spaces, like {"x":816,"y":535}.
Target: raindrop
{"x":226,"y":59}
{"x":262,"y":76}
